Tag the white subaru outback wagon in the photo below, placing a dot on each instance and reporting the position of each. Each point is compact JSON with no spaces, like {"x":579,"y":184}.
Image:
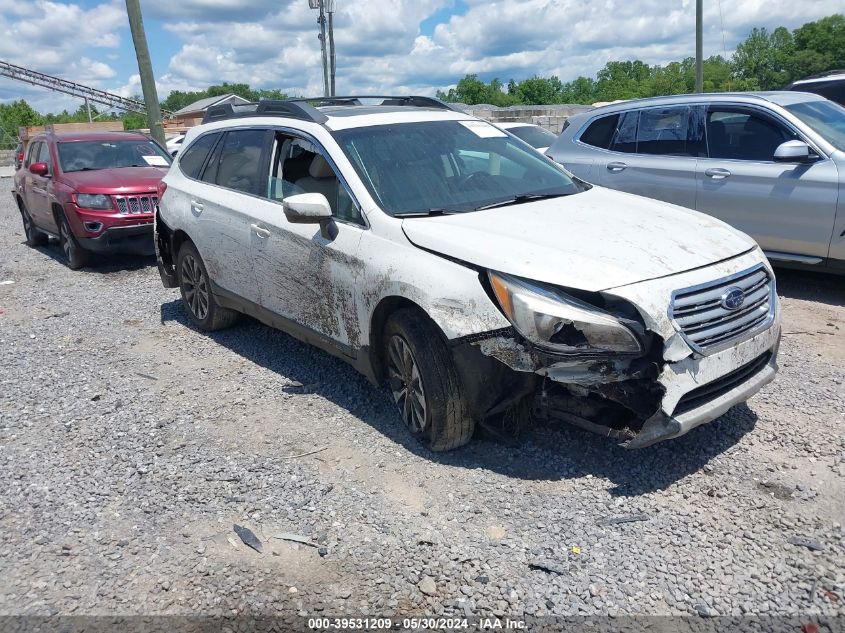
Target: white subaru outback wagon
{"x":446,"y":258}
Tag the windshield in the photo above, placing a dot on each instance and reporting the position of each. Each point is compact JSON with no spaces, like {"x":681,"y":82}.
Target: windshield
{"x":533,"y":135}
{"x":449,"y":167}
{"x":825,"y":117}
{"x":89,"y":155}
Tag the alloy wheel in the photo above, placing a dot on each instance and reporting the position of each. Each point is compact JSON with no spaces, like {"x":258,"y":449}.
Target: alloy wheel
{"x":406,"y":384}
{"x":66,"y":240}
{"x":27,"y":225}
{"x":194,"y":287}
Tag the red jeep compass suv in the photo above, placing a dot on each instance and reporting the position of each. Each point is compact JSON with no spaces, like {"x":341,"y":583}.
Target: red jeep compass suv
{"x":95,"y":192}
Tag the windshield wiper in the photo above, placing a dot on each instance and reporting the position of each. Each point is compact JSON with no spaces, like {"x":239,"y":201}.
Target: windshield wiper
{"x":521,"y":199}
{"x":427,"y":213}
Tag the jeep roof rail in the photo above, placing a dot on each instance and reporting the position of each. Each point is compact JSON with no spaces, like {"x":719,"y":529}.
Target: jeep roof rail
{"x":413,"y":101}
{"x":294,"y":109}
{"x":827,"y":73}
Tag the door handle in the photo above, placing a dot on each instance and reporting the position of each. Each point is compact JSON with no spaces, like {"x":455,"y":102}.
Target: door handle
{"x":259,"y":231}
{"x":616,"y":166}
{"x":196,"y":207}
{"x":717,"y":173}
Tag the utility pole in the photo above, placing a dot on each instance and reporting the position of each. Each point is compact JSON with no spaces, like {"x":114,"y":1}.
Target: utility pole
{"x":699,"y":45}
{"x":145,"y":69}
{"x":332,"y":66}
{"x":322,"y":19}
{"x":326,"y":7}
{"x":88,"y":108}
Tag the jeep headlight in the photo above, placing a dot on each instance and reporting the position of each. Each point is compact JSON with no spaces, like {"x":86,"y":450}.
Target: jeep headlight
{"x":93,"y":201}
{"x":557,"y":322}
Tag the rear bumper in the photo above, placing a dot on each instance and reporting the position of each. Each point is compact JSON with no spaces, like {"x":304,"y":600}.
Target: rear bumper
{"x":136,"y":239}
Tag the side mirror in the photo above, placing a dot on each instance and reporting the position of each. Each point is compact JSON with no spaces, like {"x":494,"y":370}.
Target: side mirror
{"x":39,"y":169}
{"x":794,"y":152}
{"x":311,"y":208}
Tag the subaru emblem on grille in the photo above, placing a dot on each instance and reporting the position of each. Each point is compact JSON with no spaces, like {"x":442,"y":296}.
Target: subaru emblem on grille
{"x":732,"y":299}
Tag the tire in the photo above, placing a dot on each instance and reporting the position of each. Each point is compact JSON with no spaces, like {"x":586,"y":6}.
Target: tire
{"x":75,"y":256}
{"x":197,"y":297}
{"x":34,"y":237}
{"x":417,"y":360}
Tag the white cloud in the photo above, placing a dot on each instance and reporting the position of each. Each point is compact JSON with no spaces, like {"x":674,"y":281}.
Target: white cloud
{"x":273,"y":43}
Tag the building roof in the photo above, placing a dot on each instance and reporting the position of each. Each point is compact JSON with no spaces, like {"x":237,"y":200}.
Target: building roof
{"x":203,"y":104}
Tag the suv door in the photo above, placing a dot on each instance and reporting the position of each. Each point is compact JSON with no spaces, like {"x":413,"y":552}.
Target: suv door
{"x":36,"y":196}
{"x":304,"y":277}
{"x":654,"y":153}
{"x":789,"y":208}
{"x":221,"y":198}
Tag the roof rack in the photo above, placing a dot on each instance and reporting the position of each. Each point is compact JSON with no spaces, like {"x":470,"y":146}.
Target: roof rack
{"x":413,"y":101}
{"x":294,"y":109}
{"x":305,"y":108}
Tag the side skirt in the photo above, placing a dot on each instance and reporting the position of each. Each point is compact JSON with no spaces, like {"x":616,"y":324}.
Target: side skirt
{"x":358,"y":358}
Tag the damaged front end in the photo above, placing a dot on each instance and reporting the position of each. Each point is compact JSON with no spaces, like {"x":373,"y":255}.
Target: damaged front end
{"x":583,"y":358}
{"x":589,"y":359}
{"x":613,"y":397}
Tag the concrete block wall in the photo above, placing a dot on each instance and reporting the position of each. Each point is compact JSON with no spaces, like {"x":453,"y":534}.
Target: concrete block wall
{"x":551,"y":117}
{"x":7,"y":157}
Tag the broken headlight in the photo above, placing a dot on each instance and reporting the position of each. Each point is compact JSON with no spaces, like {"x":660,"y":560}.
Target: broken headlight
{"x":553,"y":320}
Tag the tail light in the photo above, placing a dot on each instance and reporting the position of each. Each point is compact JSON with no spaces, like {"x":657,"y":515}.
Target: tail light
{"x":160,"y":189}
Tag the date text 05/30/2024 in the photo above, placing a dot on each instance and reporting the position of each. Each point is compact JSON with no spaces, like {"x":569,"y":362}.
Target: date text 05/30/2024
{"x":416,"y":624}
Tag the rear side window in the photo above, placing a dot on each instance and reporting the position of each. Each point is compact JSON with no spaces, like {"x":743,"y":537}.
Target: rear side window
{"x":625,"y":139}
{"x":600,"y":132}
{"x":193,"y":157}
{"x":240,"y":167}
{"x":671,"y":131}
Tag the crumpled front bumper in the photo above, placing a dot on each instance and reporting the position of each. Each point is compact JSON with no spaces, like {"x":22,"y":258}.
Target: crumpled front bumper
{"x":728,"y":386}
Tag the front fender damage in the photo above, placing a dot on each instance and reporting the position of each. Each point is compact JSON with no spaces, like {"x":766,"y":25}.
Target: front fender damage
{"x":612,"y":396}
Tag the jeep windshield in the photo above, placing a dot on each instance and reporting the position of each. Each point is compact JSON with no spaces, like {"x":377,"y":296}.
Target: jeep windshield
{"x":92,"y":155}
{"x":436,"y":167}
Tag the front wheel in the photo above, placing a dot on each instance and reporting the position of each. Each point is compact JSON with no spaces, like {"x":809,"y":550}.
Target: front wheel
{"x":424,"y":382}
{"x":75,"y":256}
{"x":195,"y":287}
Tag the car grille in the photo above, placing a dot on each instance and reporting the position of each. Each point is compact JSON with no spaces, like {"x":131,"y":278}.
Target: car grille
{"x":707,"y":323}
{"x":720,"y":386}
{"x":133,"y":205}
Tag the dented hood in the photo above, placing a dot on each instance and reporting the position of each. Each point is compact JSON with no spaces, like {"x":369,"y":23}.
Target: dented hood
{"x":594,"y":240}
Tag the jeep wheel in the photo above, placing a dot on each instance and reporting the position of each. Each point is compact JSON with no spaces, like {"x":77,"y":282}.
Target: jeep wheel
{"x":424,"y":383}
{"x":195,"y":286}
{"x":34,"y":237}
{"x":75,"y":256}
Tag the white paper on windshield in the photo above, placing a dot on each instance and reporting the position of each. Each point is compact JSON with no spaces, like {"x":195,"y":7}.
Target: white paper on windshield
{"x":155,"y":161}
{"x":482,"y":129}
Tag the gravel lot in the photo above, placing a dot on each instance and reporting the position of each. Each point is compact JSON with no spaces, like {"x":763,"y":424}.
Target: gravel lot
{"x":130,"y":444}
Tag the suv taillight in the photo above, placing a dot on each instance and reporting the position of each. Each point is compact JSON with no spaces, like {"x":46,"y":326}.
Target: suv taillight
{"x":160,"y":189}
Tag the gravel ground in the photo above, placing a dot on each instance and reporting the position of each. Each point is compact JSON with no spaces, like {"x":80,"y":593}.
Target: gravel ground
{"x":130,"y":444}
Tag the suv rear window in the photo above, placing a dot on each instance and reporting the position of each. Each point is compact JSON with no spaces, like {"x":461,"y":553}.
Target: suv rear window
{"x":193,"y":157}
{"x":600,"y":132}
{"x":240,"y":161}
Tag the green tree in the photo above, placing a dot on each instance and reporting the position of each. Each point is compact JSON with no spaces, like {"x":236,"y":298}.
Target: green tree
{"x":763,"y":58}
{"x":823,"y":41}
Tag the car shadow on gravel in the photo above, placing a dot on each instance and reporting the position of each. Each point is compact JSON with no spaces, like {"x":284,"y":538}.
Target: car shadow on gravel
{"x":101,"y":263}
{"x":811,"y":286}
{"x":546,"y":451}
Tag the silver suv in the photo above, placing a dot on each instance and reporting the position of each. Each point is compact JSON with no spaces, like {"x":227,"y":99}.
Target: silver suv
{"x":474,"y":276}
{"x":770,"y":164}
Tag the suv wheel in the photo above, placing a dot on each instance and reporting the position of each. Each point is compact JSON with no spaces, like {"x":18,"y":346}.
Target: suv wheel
{"x":75,"y":256}
{"x":195,"y":287}
{"x":424,"y":382}
{"x":34,"y":237}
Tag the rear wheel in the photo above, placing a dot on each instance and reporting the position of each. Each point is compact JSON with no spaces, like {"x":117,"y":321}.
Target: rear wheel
{"x":75,"y":256}
{"x":34,"y":237}
{"x":424,"y":383}
{"x":195,"y":287}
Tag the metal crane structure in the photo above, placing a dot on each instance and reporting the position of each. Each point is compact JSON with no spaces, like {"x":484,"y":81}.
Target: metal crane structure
{"x":72,"y":88}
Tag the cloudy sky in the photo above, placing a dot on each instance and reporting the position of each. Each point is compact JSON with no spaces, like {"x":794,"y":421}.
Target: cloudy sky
{"x":398,"y":46}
